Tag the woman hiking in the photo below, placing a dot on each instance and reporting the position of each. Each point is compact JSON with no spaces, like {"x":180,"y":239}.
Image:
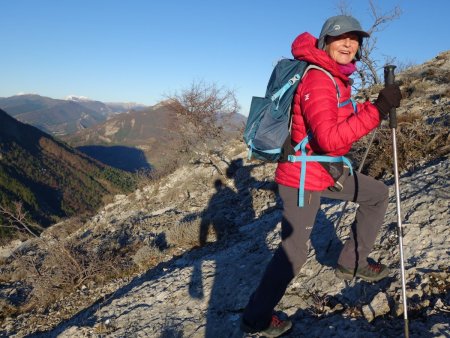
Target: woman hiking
{"x":332,"y":129}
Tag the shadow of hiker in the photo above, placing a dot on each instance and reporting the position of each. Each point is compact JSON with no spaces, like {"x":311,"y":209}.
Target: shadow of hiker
{"x":242,"y":181}
{"x":225,"y":286}
{"x":216,"y":215}
{"x":245,"y":184}
{"x":215,"y":221}
{"x":226,"y":212}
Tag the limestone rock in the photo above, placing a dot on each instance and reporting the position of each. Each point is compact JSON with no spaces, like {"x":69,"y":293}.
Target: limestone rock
{"x":379,"y":306}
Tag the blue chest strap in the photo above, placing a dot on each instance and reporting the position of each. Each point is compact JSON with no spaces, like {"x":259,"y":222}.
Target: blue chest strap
{"x":303,"y":158}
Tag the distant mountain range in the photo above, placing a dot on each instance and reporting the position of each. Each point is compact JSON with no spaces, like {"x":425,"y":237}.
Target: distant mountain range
{"x":140,"y":139}
{"x":61,"y":117}
{"x":132,"y":141}
{"x":49,"y":178}
{"x":127,"y":136}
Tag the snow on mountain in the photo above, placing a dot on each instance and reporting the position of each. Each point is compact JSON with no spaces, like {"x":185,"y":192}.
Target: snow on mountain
{"x":77,"y":98}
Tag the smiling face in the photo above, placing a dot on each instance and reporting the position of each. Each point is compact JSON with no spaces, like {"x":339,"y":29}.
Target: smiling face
{"x":342,"y":48}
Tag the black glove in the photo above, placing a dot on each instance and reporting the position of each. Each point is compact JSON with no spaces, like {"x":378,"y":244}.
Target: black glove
{"x":388,"y":98}
{"x":288,"y":149}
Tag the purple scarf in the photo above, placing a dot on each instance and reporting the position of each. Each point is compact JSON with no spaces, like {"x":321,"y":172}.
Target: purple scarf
{"x":347,"y":69}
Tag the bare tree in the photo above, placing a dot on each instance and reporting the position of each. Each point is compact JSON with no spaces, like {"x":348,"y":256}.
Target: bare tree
{"x":368,"y":73}
{"x":343,"y":7}
{"x":16,"y":218}
{"x":203,"y":110}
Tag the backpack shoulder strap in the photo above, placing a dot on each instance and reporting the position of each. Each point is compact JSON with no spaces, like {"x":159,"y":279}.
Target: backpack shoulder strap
{"x":311,"y":66}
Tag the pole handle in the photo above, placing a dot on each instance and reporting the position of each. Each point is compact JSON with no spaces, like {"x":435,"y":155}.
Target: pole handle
{"x":389,"y":79}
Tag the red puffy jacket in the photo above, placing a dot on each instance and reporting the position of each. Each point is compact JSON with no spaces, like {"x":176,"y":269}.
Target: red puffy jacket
{"x":315,"y":109}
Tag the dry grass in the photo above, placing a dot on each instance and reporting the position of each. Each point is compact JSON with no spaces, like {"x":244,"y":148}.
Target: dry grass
{"x":417,"y":142}
{"x":49,"y":269}
{"x":418,"y":89}
{"x":185,"y":234}
{"x":53,"y":268}
{"x":424,"y":81}
{"x":198,"y":232}
{"x":147,"y":256}
{"x":319,"y":303}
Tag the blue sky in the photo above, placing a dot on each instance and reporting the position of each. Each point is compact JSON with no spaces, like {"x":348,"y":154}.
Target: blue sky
{"x":139,"y":51}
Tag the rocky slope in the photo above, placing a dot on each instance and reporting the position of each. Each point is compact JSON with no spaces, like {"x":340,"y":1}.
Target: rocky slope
{"x":201,"y":292}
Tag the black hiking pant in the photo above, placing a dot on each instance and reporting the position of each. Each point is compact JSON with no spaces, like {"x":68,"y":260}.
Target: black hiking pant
{"x":297,"y":223}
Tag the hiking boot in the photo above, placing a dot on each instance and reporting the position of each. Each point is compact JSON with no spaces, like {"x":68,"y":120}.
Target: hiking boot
{"x":373,"y":272}
{"x":276,"y":328}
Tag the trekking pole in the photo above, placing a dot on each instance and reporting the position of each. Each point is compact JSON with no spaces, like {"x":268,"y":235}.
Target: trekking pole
{"x":389,"y":78}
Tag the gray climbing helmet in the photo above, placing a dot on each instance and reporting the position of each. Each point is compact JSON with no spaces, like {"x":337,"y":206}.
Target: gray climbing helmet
{"x":341,"y":24}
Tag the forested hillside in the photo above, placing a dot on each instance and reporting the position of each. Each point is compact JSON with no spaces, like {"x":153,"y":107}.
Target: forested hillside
{"x":48,"y":178}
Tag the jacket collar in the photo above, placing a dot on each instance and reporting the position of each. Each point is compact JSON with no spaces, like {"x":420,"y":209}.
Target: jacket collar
{"x":304,"y":48}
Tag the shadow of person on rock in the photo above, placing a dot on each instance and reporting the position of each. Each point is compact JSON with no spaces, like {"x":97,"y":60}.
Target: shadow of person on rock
{"x":215,"y":222}
{"x":216,"y":215}
{"x":227,"y":286}
{"x":245,"y":185}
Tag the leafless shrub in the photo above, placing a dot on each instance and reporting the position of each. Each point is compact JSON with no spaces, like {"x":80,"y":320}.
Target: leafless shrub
{"x":184,"y":234}
{"x":444,"y":77}
{"x":446,"y":92}
{"x":7,"y":309}
{"x":439,"y":76}
{"x":16,"y":218}
{"x":66,"y":228}
{"x":440,"y":282}
{"x":417,"y":141}
{"x":145,"y":177}
{"x":102,"y":329}
{"x":425,"y":82}
{"x":56,"y":267}
{"x":403,"y":66}
{"x":436,"y":74}
{"x":319,"y":303}
{"x":204,"y":109}
{"x":53,"y":266}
